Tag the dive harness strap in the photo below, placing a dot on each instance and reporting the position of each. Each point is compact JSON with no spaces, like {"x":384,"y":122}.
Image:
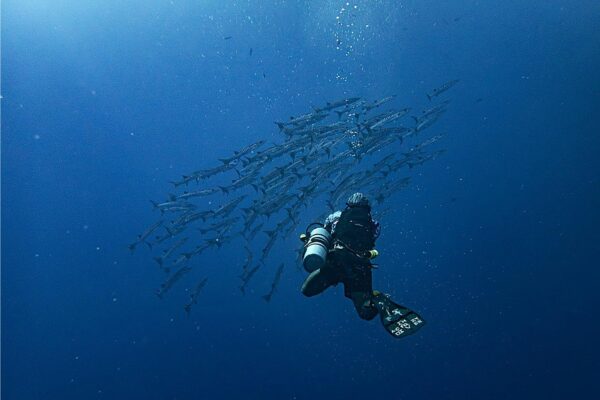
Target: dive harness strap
{"x":365,"y":255}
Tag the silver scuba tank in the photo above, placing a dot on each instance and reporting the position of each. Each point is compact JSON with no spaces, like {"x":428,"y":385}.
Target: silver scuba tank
{"x":317,"y":247}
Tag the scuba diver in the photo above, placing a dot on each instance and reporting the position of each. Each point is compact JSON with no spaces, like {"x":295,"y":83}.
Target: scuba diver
{"x":340,"y":251}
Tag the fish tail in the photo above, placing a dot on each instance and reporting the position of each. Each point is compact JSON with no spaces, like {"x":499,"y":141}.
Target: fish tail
{"x":330,"y":204}
{"x":289,"y":212}
{"x":270,"y":233}
{"x":246,"y":210}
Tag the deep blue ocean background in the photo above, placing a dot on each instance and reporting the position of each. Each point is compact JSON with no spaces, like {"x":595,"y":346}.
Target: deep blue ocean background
{"x":495,"y":243}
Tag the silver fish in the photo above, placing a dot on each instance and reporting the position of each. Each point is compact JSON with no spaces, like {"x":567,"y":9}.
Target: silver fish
{"x":275,"y":283}
{"x":168,"y":284}
{"x":439,"y":90}
{"x":194,"y":296}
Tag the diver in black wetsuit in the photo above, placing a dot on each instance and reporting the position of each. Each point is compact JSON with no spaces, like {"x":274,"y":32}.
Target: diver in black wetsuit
{"x":341,"y":252}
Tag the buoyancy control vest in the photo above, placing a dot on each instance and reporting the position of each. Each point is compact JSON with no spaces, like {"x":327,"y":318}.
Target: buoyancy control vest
{"x":355,"y":229}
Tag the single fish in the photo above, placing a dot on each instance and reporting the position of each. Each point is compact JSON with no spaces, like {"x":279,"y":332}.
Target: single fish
{"x":194,"y":296}
{"x":247,"y":277}
{"x":239,"y":183}
{"x":434,"y":110}
{"x":267,"y":249}
{"x":252,"y":234}
{"x":378,"y":103}
{"x":240,"y":153}
{"x":422,"y":159}
{"x":198,"y":250}
{"x":388,"y":119}
{"x":336,"y":104}
{"x":144,"y":235}
{"x":248,"y":261}
{"x":197,"y":193}
{"x":224,"y":225}
{"x":168,"y":284}
{"x":275,"y":283}
{"x":227,"y":208}
{"x":439,"y":90}
{"x":426,"y":123}
{"x":168,"y":252}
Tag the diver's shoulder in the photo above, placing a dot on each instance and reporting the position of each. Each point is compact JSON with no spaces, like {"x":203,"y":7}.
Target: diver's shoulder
{"x":332,"y":219}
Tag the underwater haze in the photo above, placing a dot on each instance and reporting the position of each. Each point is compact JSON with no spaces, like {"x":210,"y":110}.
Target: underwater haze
{"x":494,"y":242}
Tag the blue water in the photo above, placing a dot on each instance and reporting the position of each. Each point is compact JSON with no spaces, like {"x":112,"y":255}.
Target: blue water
{"x":495,"y":243}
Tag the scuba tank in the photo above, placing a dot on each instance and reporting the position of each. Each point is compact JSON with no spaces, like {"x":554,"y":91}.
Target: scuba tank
{"x":318,"y":242}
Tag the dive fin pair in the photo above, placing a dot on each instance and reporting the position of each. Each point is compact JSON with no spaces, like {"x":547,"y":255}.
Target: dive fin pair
{"x":399,"y":321}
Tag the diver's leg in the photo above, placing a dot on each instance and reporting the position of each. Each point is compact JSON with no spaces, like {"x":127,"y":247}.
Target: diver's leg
{"x":359,"y":288}
{"x":317,"y":282}
{"x":364,"y":305}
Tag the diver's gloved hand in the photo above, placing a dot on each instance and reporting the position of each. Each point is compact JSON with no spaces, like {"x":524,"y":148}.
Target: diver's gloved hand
{"x":371,"y":254}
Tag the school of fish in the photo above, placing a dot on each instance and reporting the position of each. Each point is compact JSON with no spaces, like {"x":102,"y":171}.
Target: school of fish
{"x":267,"y":190}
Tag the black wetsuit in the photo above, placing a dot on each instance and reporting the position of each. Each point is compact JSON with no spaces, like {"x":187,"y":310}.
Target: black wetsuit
{"x":346,"y":265}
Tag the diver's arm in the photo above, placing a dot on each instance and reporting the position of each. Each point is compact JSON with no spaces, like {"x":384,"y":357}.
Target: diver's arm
{"x":377,"y":230}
